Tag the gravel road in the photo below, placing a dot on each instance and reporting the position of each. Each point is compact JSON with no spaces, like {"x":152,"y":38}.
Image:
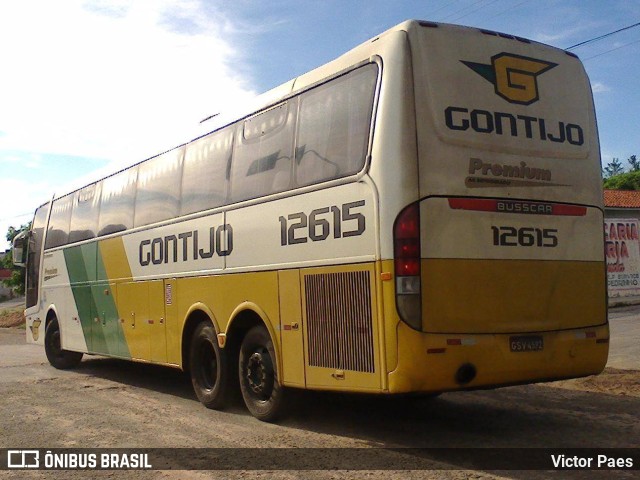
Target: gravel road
{"x":111,"y":403}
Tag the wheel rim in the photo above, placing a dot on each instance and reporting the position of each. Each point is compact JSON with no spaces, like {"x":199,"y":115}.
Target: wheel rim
{"x":259,"y":374}
{"x":207,"y":366}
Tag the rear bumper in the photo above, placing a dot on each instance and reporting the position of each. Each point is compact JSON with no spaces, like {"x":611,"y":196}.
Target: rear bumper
{"x":430,"y":362}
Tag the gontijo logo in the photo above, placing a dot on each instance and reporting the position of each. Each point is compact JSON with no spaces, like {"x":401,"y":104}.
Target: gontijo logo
{"x":514,"y":77}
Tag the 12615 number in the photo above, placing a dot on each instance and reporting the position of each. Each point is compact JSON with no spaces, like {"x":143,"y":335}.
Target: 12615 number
{"x":524,"y":237}
{"x":338,"y":221}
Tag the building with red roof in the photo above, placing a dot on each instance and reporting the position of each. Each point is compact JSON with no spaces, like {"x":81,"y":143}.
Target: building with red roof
{"x":622,"y":203}
{"x":622,"y":198}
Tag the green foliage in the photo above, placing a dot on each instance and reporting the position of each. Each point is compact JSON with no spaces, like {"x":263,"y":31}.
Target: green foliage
{"x":615,"y":178}
{"x":623,"y":181}
{"x":17,"y":279}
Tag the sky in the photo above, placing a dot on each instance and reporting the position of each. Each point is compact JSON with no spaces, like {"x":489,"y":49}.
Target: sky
{"x":88,"y":87}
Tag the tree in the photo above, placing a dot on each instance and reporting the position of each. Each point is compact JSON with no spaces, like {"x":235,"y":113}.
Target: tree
{"x":623,"y":181}
{"x":615,"y":178}
{"x":613,"y":168}
{"x":17,"y":279}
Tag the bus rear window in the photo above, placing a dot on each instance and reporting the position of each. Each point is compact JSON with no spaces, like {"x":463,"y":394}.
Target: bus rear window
{"x":262,"y":158}
{"x":333,"y":128}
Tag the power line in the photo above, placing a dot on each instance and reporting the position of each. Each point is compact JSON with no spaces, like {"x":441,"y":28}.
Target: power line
{"x":617,"y":48}
{"x":461,"y":10}
{"x":15,"y":217}
{"x":443,"y":7}
{"x":595,"y":39}
{"x":506,"y":10}
{"x":473,"y":11}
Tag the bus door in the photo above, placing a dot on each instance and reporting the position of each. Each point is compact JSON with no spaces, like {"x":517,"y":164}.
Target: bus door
{"x":143,"y":317}
{"x":133,"y":305}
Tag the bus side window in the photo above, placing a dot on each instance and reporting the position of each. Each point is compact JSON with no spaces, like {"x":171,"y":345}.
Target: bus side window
{"x":204,"y":175}
{"x":117,"y":202}
{"x":158,"y":188}
{"x":34,"y":257}
{"x":262,"y":156}
{"x":84,"y":216}
{"x":333,"y":127}
{"x":58,"y":231}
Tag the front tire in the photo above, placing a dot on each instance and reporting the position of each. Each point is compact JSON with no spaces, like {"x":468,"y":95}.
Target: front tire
{"x":59,"y":358}
{"x":261,"y":390}
{"x":209,"y":368}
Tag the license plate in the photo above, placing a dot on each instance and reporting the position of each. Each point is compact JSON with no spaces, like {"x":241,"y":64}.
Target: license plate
{"x":526,"y":343}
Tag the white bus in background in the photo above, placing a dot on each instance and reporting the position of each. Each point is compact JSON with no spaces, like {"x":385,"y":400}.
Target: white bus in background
{"x":422,"y":214}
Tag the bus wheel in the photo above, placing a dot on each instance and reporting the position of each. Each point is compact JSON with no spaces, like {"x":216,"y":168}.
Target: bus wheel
{"x":59,"y":358}
{"x":261,"y":390}
{"x":208,"y":367}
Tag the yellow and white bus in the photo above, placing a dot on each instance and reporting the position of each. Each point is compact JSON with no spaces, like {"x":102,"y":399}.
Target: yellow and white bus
{"x":422,"y":214}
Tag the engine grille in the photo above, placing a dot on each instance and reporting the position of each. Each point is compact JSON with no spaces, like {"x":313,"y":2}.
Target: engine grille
{"x":339,"y":321}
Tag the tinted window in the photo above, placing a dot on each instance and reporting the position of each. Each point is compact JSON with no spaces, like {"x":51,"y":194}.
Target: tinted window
{"x":84,"y":216}
{"x":158,"y":194}
{"x":33,"y":259}
{"x":333,"y":127}
{"x":262,"y":155}
{"x":204,"y":175}
{"x":58,"y":232}
{"x":116,"y":202}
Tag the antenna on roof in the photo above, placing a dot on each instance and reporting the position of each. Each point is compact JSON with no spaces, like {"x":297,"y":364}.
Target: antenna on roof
{"x":209,"y":117}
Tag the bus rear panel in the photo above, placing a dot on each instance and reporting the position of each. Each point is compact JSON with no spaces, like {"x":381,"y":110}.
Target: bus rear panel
{"x":499,"y":269}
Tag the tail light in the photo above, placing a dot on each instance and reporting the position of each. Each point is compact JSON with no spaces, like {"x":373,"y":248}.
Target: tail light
{"x":406,"y":245}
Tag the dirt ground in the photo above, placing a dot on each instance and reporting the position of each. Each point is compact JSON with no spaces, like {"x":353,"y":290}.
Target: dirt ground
{"x":111,"y":403}
{"x":612,"y":381}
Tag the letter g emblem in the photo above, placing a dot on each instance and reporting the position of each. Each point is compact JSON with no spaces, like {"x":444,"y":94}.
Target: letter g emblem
{"x":516,"y":77}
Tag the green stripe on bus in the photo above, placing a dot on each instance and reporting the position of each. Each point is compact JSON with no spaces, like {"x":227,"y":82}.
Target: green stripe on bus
{"x":95,"y":301}
{"x":76,"y":260}
{"x":105,"y":300}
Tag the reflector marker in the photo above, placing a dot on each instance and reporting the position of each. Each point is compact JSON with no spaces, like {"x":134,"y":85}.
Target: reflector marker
{"x":461,"y":341}
{"x":436,"y":350}
{"x":516,"y":206}
{"x":585,"y":335}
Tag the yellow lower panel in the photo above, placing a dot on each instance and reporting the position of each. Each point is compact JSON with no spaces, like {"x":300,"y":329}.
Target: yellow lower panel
{"x":133,"y":307}
{"x":566,"y":354}
{"x":494,"y":296}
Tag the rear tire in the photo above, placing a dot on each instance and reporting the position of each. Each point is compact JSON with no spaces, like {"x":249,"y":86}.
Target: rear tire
{"x":59,"y":358}
{"x":261,"y":389}
{"x":209,"y":368}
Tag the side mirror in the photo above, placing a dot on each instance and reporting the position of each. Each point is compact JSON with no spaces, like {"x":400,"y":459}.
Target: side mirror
{"x":20,"y":248}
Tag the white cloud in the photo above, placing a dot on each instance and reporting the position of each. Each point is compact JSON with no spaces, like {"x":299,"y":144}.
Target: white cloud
{"x":119,"y":80}
{"x":557,"y":31}
{"x":599,"y":87}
